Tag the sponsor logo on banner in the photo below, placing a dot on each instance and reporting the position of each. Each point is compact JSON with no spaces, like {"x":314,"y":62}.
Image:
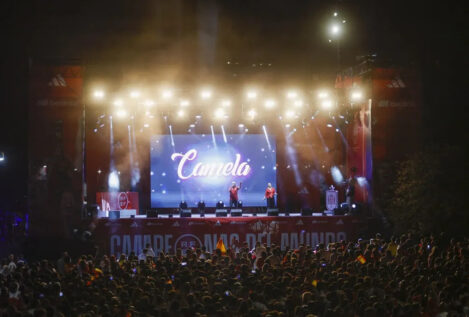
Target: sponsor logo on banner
{"x":299,"y":223}
{"x":123,"y":200}
{"x":176,"y":224}
{"x":217,"y":223}
{"x":187,"y":241}
{"x":134,"y":225}
{"x":58,"y":81}
{"x":339,"y":222}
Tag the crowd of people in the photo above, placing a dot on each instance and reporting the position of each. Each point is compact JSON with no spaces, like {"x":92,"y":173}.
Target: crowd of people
{"x":403,"y":276}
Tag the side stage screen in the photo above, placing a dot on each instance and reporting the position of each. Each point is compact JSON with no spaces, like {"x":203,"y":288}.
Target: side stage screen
{"x":195,"y":168}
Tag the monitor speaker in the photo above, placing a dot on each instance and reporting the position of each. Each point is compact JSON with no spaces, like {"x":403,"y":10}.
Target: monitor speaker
{"x":152,"y":213}
{"x":220,"y":212}
{"x":185,"y":213}
{"x":306,"y":212}
{"x":236,"y":212}
{"x":272,"y":212}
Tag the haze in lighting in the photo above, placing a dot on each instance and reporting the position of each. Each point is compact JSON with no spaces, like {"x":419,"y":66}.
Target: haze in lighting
{"x":148,"y":103}
{"x":356,"y":95}
{"x":118,"y":103}
{"x":181,"y":113}
{"x":167,"y":94}
{"x":323,"y":94}
{"x":134,"y":94}
{"x":326,"y":104}
{"x":226,"y":103}
{"x":98,"y":94}
{"x":292,"y":94}
{"x":121,"y":113}
{"x":184,"y":103}
{"x":252,"y":113}
{"x":206,"y":94}
{"x":289,"y":114}
{"x":298,"y":103}
{"x":269,"y":103}
{"x":219,"y":113}
{"x":252,"y":94}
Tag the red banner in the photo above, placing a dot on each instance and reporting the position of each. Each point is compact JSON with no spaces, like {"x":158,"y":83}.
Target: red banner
{"x":117,"y":200}
{"x":168,"y":234}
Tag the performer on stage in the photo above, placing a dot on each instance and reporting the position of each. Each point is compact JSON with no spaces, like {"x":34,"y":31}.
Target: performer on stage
{"x":270,"y":196}
{"x":350,"y":191}
{"x":234,"y":194}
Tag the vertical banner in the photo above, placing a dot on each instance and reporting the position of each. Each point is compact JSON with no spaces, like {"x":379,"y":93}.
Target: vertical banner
{"x":55,"y":147}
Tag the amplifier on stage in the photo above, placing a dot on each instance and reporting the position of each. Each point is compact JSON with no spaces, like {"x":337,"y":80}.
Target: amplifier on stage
{"x":221,"y":212}
{"x":236,"y":212}
{"x":273,"y":212}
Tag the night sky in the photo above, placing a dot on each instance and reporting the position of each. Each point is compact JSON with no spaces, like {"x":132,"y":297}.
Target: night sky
{"x":187,"y":41}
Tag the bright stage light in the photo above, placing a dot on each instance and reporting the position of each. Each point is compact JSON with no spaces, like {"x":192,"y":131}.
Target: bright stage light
{"x":327,"y":104}
{"x":252,"y":94}
{"x":269,"y":103}
{"x":118,"y":103}
{"x":167,"y":94}
{"x":121,"y":113}
{"x":335,"y":29}
{"x":240,"y":125}
{"x":98,"y":94}
{"x":135,"y":94}
{"x":356,"y":95}
{"x":252,"y":113}
{"x":148,"y":103}
{"x":206,"y":94}
{"x":146,"y":125}
{"x":298,"y":103}
{"x":335,"y":14}
{"x":219,"y":113}
{"x":323,"y":94}
{"x":184,"y":103}
{"x":226,"y":103}
{"x":181,"y":113}
{"x":292,"y":94}
{"x":289,"y":114}
{"x":287,"y":125}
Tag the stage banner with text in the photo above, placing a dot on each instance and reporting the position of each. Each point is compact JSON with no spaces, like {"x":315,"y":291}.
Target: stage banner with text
{"x":169,"y":234}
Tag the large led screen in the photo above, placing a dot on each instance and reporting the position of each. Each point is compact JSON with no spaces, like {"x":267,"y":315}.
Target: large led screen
{"x":195,"y":168}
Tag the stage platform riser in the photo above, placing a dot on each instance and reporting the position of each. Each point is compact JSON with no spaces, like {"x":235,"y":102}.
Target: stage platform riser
{"x":127,"y":235}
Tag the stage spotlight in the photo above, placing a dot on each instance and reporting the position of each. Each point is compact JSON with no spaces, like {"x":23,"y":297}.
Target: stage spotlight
{"x":2,"y":156}
{"x":219,"y":113}
{"x":220,"y":204}
{"x":287,"y":125}
{"x":292,"y":94}
{"x":298,"y":103}
{"x":167,"y":94}
{"x":181,"y":113}
{"x":201,"y":208}
{"x":252,"y":113}
{"x":335,"y":29}
{"x":323,"y":94}
{"x":269,"y":103}
{"x":329,"y":125}
{"x":252,"y":94}
{"x":98,"y":94}
{"x":289,"y":114}
{"x":148,"y":103}
{"x":206,"y":94}
{"x":184,"y":103}
{"x":356,"y":95}
{"x":118,"y":103}
{"x":240,"y":125}
{"x":326,"y":104}
{"x":226,"y":103}
{"x":121,"y":113}
{"x":146,"y":125}
{"x":134,"y":94}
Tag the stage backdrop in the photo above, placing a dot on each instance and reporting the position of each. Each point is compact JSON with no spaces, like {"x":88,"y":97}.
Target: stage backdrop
{"x":201,"y":167}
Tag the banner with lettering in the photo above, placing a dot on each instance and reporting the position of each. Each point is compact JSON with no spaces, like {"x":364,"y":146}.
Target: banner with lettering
{"x":169,"y":234}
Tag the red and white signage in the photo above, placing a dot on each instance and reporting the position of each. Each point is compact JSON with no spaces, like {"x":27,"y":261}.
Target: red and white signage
{"x":117,"y":200}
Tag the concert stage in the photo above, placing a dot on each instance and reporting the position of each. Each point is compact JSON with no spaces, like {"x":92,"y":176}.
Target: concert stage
{"x":168,"y":234}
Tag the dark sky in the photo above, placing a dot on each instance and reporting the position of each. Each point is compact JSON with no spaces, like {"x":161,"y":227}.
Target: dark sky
{"x":193,"y":40}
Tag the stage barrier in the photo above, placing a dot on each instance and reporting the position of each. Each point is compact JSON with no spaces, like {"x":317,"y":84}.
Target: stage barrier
{"x":168,"y":234}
